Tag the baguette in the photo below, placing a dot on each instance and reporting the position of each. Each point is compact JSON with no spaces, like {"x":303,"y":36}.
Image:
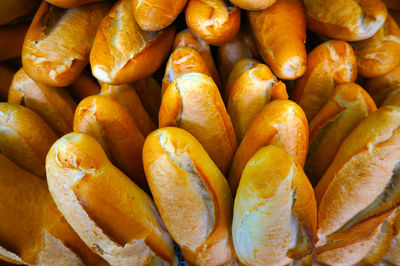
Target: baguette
{"x":193,"y":102}
{"x":329,"y":64}
{"x":253,"y":5}
{"x":11,"y":40}
{"x":112,"y":215}
{"x":282,"y":123}
{"x":191,"y":194}
{"x":393,"y":97}
{"x":25,"y":138}
{"x":84,"y":86}
{"x":275,"y":213}
{"x":283,"y":50}
{"x":149,"y":92}
{"x":53,"y":104}
{"x":6,"y":76}
{"x":347,"y":20}
{"x":380,"y":87}
{"x":214,"y":21}
{"x":10,"y":10}
{"x":71,"y":3}
{"x":348,"y":105}
{"x":58,"y":42}
{"x":122,"y":53}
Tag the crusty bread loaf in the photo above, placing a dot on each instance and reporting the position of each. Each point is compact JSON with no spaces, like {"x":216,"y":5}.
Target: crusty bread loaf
{"x":123,"y":53}
{"x":348,"y":105}
{"x":331,"y":63}
{"x":149,"y":92}
{"x":359,"y":190}
{"x":71,"y":3}
{"x":111,"y":125}
{"x":348,"y":20}
{"x":191,"y":194}
{"x":380,"y":87}
{"x":393,"y":97}
{"x":53,"y":104}
{"x":193,"y":102}
{"x":10,"y":10}
{"x":153,"y":15}
{"x":25,"y":138}
{"x":11,"y":39}
{"x":251,"y":91}
{"x":253,"y":4}
{"x":214,"y":21}
{"x":6,"y":76}
{"x":282,"y":123}
{"x":280,"y":32}
{"x":111,"y":214}
{"x":84,"y":86}
{"x":58,"y":42}
{"x":275,"y":214}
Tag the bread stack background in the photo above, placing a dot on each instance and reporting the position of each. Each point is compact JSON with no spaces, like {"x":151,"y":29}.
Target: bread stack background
{"x":200,"y":132}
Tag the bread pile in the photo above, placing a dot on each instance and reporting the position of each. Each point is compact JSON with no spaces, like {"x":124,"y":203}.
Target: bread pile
{"x":214,"y":132}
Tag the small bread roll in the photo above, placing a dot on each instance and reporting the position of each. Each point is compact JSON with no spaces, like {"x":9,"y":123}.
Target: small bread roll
{"x":380,"y":87}
{"x":214,"y":21}
{"x":253,"y":4}
{"x":251,"y":91}
{"x":149,"y":92}
{"x":186,"y":38}
{"x":53,"y":104}
{"x":183,"y":60}
{"x":191,"y":194}
{"x":127,"y":97}
{"x":193,"y":102}
{"x":348,"y":105}
{"x":84,"y":86}
{"x":393,"y":98}
{"x":58,"y":42}
{"x":360,"y":188}
{"x":379,"y":54}
{"x":111,"y":125}
{"x":6,"y":76}
{"x":10,"y":10}
{"x":280,"y":31}
{"x":122,"y":53}
{"x":347,"y":20}
{"x":71,"y":3}
{"x":329,"y":64}
{"x":275,"y":213}
{"x":11,"y":39}
{"x":111,"y":214}
{"x":154,"y":15}
{"x":25,"y":138}
{"x":282,"y":123}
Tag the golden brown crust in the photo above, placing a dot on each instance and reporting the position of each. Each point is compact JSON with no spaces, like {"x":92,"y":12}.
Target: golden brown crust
{"x":153,"y":15}
{"x":84,"y":86}
{"x":71,"y":3}
{"x":149,"y":92}
{"x":348,"y":20}
{"x":53,"y":104}
{"x":25,"y":138}
{"x":253,"y":5}
{"x":110,"y":123}
{"x":331,"y":63}
{"x":380,"y":87}
{"x":393,"y":97}
{"x":124,"y":56}
{"x":213,"y":20}
{"x":6,"y":77}
{"x":348,"y":105}
{"x":275,"y":212}
{"x":109,"y":212}
{"x":176,"y":164}
{"x":11,"y":40}
{"x":193,"y":102}
{"x":10,"y":10}
{"x":282,"y":123}
{"x":283,"y":50}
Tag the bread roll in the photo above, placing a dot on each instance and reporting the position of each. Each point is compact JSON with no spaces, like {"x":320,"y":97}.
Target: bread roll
{"x":71,"y":3}
{"x":251,"y":91}
{"x":393,"y":256}
{"x":11,"y":40}
{"x":6,"y":77}
{"x":393,"y":97}
{"x":10,"y":10}
{"x":84,"y":86}
{"x":214,"y":21}
{"x":58,"y":42}
{"x":25,"y":138}
{"x":280,"y":31}
{"x":53,"y":104}
{"x":149,"y":92}
{"x":32,"y":230}
{"x":275,"y":214}
{"x":329,"y":64}
{"x":348,"y":20}
{"x":153,"y":15}
{"x":193,"y":102}
{"x":281,"y":123}
{"x":392,"y":4}
{"x":253,"y":4}
{"x":127,"y":97}
{"x":359,"y":190}
{"x":380,"y":87}
{"x":111,"y":214}
{"x":191,"y":194}
{"x":123,"y":53}
{"x":185,"y":38}
{"x":111,"y":125}
{"x":348,"y":105}
{"x":379,"y":54}
{"x":183,"y":60}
